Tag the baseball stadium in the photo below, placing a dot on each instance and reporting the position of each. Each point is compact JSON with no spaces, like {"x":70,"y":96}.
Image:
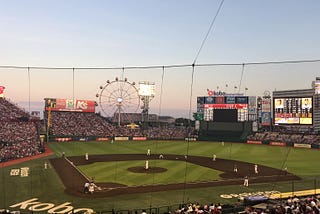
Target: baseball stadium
{"x":233,"y":153}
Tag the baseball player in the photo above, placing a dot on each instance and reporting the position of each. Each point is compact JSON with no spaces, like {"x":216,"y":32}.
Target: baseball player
{"x":246,"y":181}
{"x":256,"y":169}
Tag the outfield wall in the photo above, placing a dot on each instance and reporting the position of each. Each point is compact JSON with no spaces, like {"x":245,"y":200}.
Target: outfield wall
{"x":276,"y":143}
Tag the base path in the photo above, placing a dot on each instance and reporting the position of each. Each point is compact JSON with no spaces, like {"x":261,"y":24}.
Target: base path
{"x":74,"y":180}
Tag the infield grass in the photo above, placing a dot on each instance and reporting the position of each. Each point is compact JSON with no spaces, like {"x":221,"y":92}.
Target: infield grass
{"x":118,"y":172}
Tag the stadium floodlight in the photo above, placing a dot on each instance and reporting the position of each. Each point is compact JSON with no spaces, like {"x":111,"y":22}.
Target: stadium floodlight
{"x":146,"y":88}
{"x":147,"y":93}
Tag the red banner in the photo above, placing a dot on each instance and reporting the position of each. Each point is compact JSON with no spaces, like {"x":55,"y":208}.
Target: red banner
{"x":139,"y":138}
{"x":277,"y":144}
{"x":225,"y":106}
{"x":2,"y":90}
{"x":253,"y":142}
{"x":69,"y":105}
{"x":63,"y":139}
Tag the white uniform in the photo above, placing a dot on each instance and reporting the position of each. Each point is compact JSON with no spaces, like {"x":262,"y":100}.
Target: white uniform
{"x":91,"y":188}
{"x":149,"y":152}
{"x":214,"y":157}
{"x":147,"y":164}
{"x":246,"y":181}
{"x":87,"y":156}
{"x":235,"y":169}
{"x":256,"y":168}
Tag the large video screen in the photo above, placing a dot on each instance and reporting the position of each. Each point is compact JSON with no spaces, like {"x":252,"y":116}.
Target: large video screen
{"x":293,"y":110}
{"x":225,"y":115}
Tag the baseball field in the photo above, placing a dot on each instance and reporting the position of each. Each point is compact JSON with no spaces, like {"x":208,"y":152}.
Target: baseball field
{"x":186,"y":173}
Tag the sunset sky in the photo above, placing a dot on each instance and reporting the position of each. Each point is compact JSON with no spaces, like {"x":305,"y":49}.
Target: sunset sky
{"x":121,"y":33}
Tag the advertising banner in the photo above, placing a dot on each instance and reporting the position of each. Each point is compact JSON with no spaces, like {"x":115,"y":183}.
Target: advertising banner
{"x":253,"y":142}
{"x":252,"y":105}
{"x":69,"y":105}
{"x":242,"y":100}
{"x":226,"y":106}
{"x":103,"y":139}
{"x":121,"y":138}
{"x":230,"y":100}
{"x":266,"y":105}
{"x":200,"y":100}
{"x":277,"y":143}
{"x":209,"y":100}
{"x":266,"y":118}
{"x":302,"y":145}
{"x":139,"y":138}
{"x":2,"y":91}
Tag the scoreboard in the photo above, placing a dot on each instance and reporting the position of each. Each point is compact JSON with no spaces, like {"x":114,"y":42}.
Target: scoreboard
{"x":293,"y":110}
{"x":226,"y":108}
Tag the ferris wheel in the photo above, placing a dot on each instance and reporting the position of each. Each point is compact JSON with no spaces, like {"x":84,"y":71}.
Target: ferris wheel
{"x":117,"y":99}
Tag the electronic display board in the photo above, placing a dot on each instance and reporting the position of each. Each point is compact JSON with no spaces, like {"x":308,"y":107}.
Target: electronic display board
{"x":293,"y":110}
{"x":215,"y":108}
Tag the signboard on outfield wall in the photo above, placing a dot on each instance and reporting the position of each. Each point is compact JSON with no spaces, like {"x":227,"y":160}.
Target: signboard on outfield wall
{"x":55,"y":104}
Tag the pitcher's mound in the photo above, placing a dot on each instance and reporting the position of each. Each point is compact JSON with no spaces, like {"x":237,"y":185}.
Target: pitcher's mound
{"x":140,"y":169}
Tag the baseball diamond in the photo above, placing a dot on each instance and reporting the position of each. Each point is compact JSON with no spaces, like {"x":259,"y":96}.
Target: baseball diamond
{"x":73,"y":179}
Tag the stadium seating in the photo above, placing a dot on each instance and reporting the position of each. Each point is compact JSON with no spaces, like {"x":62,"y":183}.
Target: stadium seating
{"x":18,"y":136}
{"x":80,"y":124}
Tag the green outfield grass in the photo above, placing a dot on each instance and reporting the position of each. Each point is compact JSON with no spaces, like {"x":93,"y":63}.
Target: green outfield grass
{"x":47,"y":187}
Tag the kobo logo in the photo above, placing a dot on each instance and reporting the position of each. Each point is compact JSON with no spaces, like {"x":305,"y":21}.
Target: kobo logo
{"x":36,"y":206}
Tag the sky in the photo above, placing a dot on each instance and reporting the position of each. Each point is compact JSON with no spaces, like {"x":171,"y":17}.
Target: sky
{"x":122,"y":33}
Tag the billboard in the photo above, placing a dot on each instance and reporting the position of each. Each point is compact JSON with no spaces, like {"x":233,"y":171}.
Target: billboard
{"x":2,"y":91}
{"x":266,"y":112}
{"x":266,"y":118}
{"x":55,"y":104}
{"x":293,"y":110}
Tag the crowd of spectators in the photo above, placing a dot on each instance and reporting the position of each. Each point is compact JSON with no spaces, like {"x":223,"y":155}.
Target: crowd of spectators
{"x":11,"y":151}
{"x":197,"y":208}
{"x":286,"y":138}
{"x":79,"y":124}
{"x":166,"y":133}
{"x":292,"y":205}
{"x":18,"y":137}
{"x":10,"y":112}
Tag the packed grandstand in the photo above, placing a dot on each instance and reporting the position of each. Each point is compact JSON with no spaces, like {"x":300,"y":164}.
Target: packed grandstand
{"x":20,"y":133}
{"x":19,"y":136}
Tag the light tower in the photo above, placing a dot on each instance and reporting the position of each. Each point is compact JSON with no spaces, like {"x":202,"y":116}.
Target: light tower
{"x":147,"y":93}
